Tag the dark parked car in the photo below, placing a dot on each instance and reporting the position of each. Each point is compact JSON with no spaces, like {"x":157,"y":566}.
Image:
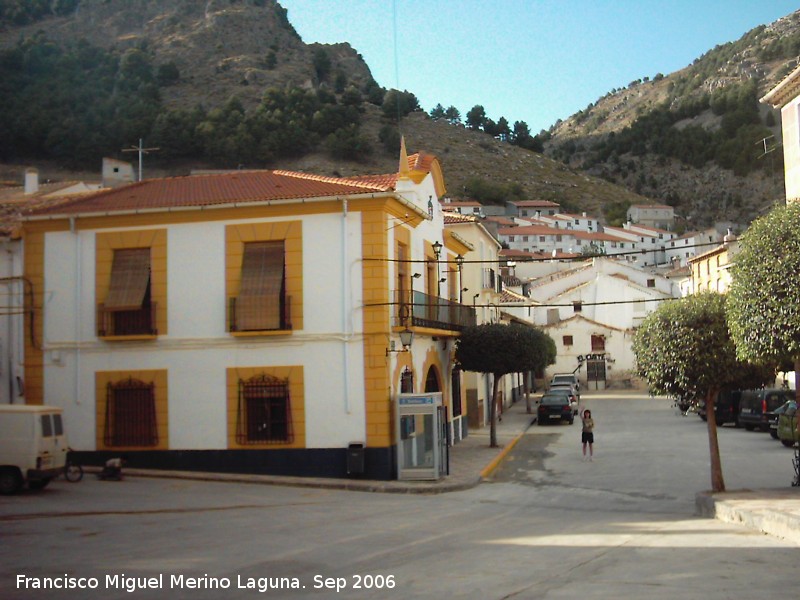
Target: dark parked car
{"x":726,"y":408}
{"x":555,"y":407}
{"x":568,"y":391}
{"x":567,"y":386}
{"x":755,"y":407}
{"x":787,"y":425}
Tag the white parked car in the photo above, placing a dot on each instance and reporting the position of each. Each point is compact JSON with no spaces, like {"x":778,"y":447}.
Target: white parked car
{"x":565,"y":378}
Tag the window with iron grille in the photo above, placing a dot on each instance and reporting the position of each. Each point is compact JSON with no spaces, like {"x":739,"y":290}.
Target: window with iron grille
{"x":567,"y":340}
{"x":264,"y":413}
{"x":130,"y":414}
{"x":406,"y":381}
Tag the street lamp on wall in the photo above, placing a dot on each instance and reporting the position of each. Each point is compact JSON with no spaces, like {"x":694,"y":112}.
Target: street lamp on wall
{"x":437,"y":252}
{"x":460,"y":266}
{"x":406,"y":337}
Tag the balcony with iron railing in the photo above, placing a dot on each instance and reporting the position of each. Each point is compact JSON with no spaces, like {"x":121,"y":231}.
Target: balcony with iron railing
{"x":255,"y":317}
{"x":124,"y":323}
{"x":417,"y":309}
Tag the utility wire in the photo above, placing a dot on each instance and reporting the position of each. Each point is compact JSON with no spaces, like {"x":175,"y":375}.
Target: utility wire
{"x":520,"y":259}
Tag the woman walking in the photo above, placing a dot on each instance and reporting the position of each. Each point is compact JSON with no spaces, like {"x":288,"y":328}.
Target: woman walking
{"x":587,"y":434}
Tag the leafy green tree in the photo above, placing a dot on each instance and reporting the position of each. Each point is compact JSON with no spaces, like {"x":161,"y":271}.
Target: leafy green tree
{"x":374,"y":93}
{"x":389,"y":137}
{"x":488,"y":192}
{"x":684,"y":349}
{"x":437,"y":112}
{"x":167,"y":74}
{"x":502,"y":349}
{"x":763,"y":302}
{"x":397,"y":104}
{"x":322,"y":63}
{"x":521,"y":134}
{"x":453,"y":115}
{"x":476,"y":117}
{"x":503,"y":129}
{"x":347,"y":143}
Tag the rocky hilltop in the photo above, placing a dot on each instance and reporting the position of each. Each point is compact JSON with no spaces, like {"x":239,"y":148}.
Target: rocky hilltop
{"x":226,"y":48}
{"x":764,"y":56}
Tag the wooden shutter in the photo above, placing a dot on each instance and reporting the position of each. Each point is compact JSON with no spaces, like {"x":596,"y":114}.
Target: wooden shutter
{"x":130,"y":277}
{"x":262,"y":286}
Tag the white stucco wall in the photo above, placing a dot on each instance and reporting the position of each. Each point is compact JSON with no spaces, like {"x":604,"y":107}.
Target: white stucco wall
{"x":197,"y":350}
{"x":790,"y":123}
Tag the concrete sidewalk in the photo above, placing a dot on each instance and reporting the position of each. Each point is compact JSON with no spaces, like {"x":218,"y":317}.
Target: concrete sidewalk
{"x":471,"y":461}
{"x":772,"y":511}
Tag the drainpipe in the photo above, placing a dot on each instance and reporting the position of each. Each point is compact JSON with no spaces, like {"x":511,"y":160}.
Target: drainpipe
{"x":345,"y":328}
{"x":78,"y":287}
{"x":9,"y":329}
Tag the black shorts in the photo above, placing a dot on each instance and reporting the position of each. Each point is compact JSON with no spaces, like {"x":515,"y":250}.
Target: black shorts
{"x":587,"y":437}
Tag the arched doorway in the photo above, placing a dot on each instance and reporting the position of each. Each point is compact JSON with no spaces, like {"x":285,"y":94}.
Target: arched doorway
{"x":433,"y":381}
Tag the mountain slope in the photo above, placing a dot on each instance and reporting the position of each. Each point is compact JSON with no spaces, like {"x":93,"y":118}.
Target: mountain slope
{"x":702,"y":193}
{"x":218,"y":49}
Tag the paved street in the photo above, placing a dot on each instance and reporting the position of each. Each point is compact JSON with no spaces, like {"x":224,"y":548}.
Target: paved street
{"x":548,"y":526}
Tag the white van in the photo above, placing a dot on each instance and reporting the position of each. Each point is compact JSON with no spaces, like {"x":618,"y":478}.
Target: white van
{"x":33,"y":446}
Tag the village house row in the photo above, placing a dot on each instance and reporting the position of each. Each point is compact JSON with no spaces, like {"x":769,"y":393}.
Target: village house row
{"x":268,"y":321}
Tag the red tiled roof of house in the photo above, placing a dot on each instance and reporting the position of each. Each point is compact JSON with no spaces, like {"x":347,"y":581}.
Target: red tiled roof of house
{"x":220,"y":189}
{"x":228,"y":188}
{"x":451,"y":218}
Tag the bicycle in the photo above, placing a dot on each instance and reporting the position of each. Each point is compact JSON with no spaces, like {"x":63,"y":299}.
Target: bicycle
{"x":73,"y":472}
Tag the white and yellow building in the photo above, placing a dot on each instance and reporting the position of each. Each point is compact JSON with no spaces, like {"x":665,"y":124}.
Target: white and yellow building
{"x":245,"y":321}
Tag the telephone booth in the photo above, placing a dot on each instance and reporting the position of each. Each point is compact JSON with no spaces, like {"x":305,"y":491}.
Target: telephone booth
{"x":422,"y":452}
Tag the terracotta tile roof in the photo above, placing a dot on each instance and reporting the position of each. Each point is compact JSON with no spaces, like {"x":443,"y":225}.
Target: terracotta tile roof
{"x":15,"y":203}
{"x":508,"y":297}
{"x":220,"y":189}
{"x":451,"y":218}
{"x":421,"y":161}
{"x":236,"y":187}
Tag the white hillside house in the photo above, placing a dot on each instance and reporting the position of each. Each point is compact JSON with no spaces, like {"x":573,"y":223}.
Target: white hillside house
{"x":591,"y":311}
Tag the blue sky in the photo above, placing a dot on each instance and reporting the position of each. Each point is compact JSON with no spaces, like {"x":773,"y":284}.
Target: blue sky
{"x":531,"y":60}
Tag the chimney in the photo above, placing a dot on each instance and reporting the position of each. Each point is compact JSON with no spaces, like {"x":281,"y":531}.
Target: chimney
{"x":31,"y":181}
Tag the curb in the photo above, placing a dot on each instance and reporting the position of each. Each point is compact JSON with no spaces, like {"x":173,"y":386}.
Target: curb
{"x":487,"y":471}
{"x":745,"y":508}
{"x":387,"y":487}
